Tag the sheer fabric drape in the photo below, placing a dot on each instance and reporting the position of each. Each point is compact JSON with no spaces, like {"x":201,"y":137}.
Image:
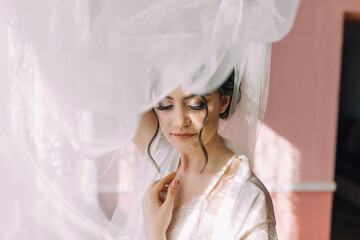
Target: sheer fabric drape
{"x":76,"y":76}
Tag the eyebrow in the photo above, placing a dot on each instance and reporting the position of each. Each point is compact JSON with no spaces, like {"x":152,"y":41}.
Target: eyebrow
{"x":188,"y":96}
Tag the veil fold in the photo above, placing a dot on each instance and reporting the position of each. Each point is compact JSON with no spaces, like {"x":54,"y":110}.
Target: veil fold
{"x":77,"y":75}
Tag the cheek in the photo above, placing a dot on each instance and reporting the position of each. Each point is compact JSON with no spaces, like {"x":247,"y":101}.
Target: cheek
{"x":213,"y":116}
{"x":164,"y":120}
{"x":213,"y":120}
{"x":197,"y":119}
{"x":212,"y":123}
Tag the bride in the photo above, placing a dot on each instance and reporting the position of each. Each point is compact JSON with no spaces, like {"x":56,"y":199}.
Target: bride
{"x":209,"y":191}
{"x":69,"y":66}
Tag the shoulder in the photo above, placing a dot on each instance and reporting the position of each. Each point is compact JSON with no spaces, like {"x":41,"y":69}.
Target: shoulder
{"x":254,"y":200}
{"x":250,"y":194}
{"x":259,"y":222}
{"x":248,"y":203}
{"x":252,"y":207}
{"x":254,"y":187}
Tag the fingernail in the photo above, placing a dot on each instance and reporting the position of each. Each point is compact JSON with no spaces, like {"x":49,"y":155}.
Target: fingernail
{"x":174,"y":183}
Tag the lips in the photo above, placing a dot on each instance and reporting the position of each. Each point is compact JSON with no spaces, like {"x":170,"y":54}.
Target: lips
{"x":184,"y":135}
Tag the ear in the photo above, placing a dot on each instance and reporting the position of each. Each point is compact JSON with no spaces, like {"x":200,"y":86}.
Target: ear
{"x":224,"y":103}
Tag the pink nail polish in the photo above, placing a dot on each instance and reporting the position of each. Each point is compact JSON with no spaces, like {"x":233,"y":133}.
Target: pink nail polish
{"x":174,"y":183}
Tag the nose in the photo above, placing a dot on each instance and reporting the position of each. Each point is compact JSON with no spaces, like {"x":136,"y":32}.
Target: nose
{"x":181,"y":118}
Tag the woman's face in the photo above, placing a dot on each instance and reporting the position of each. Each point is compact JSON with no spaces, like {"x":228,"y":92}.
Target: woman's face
{"x":181,"y":116}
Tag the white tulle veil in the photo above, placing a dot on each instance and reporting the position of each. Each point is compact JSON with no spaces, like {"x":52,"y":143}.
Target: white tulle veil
{"x":77,"y":75}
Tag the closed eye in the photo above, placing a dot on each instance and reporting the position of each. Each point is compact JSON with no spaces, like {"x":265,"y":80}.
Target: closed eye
{"x":197,"y":108}
{"x":160,"y":107}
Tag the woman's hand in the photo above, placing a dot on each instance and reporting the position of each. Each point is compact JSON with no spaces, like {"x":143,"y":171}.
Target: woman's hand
{"x":157,"y":208}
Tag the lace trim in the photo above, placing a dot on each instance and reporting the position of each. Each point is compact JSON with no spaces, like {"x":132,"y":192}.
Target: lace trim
{"x":267,"y":227}
{"x":206,"y":220}
{"x":205,"y":223}
{"x":180,"y":214}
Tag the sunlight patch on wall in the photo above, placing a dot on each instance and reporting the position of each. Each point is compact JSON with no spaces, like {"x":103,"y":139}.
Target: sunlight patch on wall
{"x":276,"y":159}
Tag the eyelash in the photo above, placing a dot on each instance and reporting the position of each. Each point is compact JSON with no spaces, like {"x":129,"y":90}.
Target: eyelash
{"x":196,"y":108}
{"x":161,"y":108}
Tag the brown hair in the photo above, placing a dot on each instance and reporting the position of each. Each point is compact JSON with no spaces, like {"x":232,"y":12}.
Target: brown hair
{"x":226,"y":89}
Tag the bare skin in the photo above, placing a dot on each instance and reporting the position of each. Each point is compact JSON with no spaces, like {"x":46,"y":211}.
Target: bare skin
{"x":189,"y":169}
{"x":158,"y":211}
{"x":182,"y":113}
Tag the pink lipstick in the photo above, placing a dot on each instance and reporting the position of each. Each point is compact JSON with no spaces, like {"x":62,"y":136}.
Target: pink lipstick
{"x":184,"y":135}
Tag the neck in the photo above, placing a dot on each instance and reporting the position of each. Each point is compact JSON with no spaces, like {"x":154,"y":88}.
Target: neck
{"x":218,"y":154}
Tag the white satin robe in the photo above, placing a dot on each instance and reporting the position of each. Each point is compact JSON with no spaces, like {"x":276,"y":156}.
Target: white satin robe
{"x":236,"y":204}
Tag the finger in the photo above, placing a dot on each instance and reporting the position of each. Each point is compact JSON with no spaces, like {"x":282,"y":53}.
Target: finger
{"x":170,"y":197}
{"x":162,"y":182}
{"x":162,"y":197}
{"x":165,"y":188}
{"x":154,"y":183}
{"x":149,"y":190}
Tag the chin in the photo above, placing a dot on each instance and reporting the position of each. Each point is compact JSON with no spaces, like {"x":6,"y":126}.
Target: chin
{"x":186,"y":147}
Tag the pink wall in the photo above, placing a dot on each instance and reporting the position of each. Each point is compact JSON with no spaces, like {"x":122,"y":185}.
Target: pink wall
{"x":301,"y":117}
